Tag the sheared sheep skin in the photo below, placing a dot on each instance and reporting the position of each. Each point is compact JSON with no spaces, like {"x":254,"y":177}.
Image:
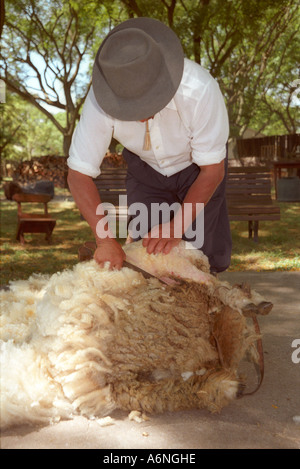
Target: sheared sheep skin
{"x":89,"y":340}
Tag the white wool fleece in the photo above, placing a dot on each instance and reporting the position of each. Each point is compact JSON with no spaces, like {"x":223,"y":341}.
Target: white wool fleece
{"x":55,"y":333}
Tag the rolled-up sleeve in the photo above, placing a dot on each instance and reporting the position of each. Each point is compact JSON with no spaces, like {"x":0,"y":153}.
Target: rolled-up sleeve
{"x":91,"y":138}
{"x":210,"y":127}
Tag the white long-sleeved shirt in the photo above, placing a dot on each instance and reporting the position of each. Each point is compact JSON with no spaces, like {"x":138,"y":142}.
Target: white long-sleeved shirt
{"x":192,"y":128}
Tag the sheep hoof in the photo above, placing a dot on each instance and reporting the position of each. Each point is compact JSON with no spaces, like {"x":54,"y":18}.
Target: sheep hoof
{"x":241,"y":390}
{"x":264,"y":307}
{"x":249,"y":309}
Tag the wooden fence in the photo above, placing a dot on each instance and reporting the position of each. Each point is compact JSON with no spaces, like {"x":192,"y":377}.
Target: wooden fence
{"x":271,"y":148}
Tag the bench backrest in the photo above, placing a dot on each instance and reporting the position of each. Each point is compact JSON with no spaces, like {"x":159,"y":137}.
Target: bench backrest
{"x":111,"y":183}
{"x":111,"y":178}
{"x":24,"y":197}
{"x":33,"y":198}
{"x":247,"y":182}
{"x":241,"y":182}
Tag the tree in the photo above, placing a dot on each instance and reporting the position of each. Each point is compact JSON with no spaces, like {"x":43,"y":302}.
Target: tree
{"x":250,"y":47}
{"x":2,"y":16}
{"x":262,"y":66}
{"x":47,"y":52}
{"x":27,"y":132}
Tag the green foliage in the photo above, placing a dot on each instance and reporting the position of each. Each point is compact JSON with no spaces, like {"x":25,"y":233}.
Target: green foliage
{"x":26,"y":132}
{"x":251,"y":47}
{"x":47,"y":53}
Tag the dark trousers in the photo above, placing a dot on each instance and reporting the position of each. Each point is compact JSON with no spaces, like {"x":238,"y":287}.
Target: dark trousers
{"x":146,"y":185}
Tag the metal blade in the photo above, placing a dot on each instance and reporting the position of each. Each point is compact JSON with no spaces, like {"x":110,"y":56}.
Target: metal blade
{"x":141,"y":271}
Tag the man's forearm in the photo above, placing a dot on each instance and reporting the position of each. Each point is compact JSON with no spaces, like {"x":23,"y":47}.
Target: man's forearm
{"x":200,"y":192}
{"x":87,"y":199}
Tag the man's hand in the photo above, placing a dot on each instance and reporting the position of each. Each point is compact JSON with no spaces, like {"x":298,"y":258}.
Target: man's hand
{"x":87,"y":199}
{"x":109,"y":250}
{"x":161,"y":239}
{"x":197,"y":196}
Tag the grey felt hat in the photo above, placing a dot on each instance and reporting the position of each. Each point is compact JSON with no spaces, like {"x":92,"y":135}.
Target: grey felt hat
{"x":137,"y":69}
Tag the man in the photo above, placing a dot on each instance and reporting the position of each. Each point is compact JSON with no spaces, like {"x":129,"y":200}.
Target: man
{"x":169,"y":114}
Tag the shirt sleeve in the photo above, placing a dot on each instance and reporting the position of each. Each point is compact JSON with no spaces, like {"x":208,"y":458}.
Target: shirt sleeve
{"x":91,"y":138}
{"x":210,"y":127}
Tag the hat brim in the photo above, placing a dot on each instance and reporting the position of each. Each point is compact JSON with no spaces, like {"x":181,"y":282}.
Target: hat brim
{"x":164,"y":87}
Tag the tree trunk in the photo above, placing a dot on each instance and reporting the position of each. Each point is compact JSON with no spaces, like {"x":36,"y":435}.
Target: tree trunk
{"x":66,"y":144}
{"x":66,"y":147}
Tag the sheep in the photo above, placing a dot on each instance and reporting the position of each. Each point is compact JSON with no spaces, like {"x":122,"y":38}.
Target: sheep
{"x":88,"y":340}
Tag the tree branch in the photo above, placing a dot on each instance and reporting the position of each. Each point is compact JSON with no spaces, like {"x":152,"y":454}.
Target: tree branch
{"x":132,"y":7}
{"x":31,"y":99}
{"x":170,"y":10}
{"x":10,"y":138}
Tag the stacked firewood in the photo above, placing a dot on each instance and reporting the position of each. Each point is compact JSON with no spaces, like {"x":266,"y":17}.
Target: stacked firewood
{"x":54,"y":168}
{"x":114,"y":160}
{"x":50,"y":168}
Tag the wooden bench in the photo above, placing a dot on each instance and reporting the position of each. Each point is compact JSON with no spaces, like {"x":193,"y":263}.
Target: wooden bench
{"x":111,"y":184}
{"x":248,"y":194}
{"x":33,"y":223}
{"x":249,"y":198}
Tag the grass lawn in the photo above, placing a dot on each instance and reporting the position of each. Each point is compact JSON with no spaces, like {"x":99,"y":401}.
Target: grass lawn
{"x":19,"y":262}
{"x":278,"y":248}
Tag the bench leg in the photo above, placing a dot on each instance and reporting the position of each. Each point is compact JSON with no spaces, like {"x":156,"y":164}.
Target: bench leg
{"x":255,"y":238}
{"x":253,"y":229}
{"x":20,"y":236}
{"x":250,"y":228}
{"x":48,"y":238}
